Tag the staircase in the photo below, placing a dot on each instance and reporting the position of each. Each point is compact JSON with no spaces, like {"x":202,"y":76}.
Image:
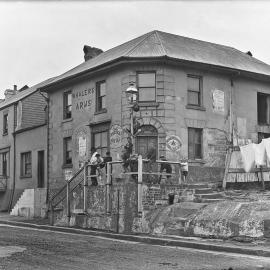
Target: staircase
{"x":31,"y":204}
{"x":203,"y":193}
{"x":59,"y":212}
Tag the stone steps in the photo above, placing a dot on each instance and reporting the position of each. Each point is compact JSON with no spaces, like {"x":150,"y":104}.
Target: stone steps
{"x":203,"y":191}
{"x":215,"y":195}
{"x":212,"y":200}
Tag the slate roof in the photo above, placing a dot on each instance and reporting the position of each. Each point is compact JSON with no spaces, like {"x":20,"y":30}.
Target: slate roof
{"x":25,"y":93}
{"x":157,"y":44}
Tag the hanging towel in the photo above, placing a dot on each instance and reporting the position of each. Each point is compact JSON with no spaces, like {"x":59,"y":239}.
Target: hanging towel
{"x":260,"y":154}
{"x":266,"y":143}
{"x":248,"y":157}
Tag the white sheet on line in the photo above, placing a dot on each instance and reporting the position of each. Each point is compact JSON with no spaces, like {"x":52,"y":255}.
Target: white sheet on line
{"x":248,"y":157}
{"x":266,"y":143}
{"x":260,"y":154}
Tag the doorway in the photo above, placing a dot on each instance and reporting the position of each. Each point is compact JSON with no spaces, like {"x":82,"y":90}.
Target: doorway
{"x":40,"y":169}
{"x":147,"y":136}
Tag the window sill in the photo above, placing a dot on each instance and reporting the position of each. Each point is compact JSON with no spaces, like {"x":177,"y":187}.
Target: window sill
{"x":67,"y":120}
{"x":100,"y":112}
{"x":65,"y":166}
{"x":264,"y":124}
{"x":148,"y":104}
{"x":194,"y":107}
{"x":5,"y":133}
{"x":25,"y":176}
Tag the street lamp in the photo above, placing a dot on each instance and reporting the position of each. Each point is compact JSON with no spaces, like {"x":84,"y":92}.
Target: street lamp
{"x":132,"y":95}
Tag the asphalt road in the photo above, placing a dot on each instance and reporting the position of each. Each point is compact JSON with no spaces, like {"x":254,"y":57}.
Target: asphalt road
{"x":36,"y":249}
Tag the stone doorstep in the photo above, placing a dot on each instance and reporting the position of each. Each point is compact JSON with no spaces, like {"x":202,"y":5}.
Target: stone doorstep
{"x":203,"y":190}
{"x":212,"y":200}
{"x":196,"y":186}
{"x":216,"y":195}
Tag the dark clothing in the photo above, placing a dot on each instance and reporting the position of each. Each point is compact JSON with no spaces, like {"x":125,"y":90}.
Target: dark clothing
{"x":94,"y":172}
{"x":105,"y":160}
{"x":152,"y":154}
{"x":128,"y":147}
{"x":168,"y":169}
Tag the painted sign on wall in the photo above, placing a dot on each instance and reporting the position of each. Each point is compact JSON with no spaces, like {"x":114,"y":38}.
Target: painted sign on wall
{"x":173,"y":143}
{"x":81,"y":142}
{"x":83,"y":99}
{"x":115,"y":136}
{"x":218,"y":100}
{"x":82,"y":145}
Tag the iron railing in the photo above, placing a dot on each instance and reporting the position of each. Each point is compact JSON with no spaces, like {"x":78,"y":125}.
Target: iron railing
{"x":3,"y":183}
{"x":82,"y":176}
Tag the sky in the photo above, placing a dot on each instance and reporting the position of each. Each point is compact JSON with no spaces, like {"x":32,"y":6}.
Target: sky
{"x":39,"y":40}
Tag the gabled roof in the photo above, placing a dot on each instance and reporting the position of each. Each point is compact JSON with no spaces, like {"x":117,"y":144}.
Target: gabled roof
{"x":25,"y":93}
{"x":157,"y":44}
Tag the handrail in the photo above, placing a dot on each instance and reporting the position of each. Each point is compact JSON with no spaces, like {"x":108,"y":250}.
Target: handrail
{"x":70,"y":180}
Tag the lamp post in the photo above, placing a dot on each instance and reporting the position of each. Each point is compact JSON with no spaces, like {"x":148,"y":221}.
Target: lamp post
{"x":132,"y":94}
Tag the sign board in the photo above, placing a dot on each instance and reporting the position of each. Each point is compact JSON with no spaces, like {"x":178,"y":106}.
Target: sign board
{"x":173,"y":143}
{"x":68,"y":174}
{"x":82,"y":146}
{"x":218,"y":101}
{"x":115,"y":136}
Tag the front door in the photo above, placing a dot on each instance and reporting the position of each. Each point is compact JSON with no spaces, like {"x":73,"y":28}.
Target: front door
{"x":41,"y":166}
{"x":143,"y":143}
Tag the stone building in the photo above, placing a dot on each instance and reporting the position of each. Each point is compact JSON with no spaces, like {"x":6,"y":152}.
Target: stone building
{"x":23,"y":150}
{"x":196,"y":94}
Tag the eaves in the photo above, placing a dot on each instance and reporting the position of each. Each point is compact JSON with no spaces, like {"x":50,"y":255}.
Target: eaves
{"x":86,"y":74}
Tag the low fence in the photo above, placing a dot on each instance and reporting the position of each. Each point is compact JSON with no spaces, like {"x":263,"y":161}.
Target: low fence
{"x":141,"y":171}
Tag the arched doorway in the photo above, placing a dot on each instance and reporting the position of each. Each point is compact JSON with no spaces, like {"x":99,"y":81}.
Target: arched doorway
{"x":147,"y":135}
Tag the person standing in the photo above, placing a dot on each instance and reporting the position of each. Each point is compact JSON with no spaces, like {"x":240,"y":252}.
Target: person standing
{"x":165,"y":166}
{"x":152,"y":156}
{"x":95,"y":162}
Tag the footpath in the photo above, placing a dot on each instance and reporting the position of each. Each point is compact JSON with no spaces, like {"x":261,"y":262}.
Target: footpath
{"x":256,"y":247}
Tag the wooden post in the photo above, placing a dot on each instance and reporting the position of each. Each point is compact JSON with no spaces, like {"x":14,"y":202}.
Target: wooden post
{"x":263,"y":185}
{"x":108,"y":183}
{"x":227,"y":166}
{"x":85,"y":185}
{"x":180,"y":174}
{"x":68,"y":202}
{"x":140,"y":165}
{"x":51,"y":214}
{"x":118,"y":211}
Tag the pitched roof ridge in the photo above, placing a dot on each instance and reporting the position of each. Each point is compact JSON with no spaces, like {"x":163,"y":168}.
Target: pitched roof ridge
{"x":196,"y":39}
{"x":147,"y":35}
{"x":162,"y":46}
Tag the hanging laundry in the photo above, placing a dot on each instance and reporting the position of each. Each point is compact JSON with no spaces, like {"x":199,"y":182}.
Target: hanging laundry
{"x":266,"y":143}
{"x":260,"y":154}
{"x":248,"y":157}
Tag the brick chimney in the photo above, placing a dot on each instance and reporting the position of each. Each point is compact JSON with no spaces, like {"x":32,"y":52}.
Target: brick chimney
{"x":91,"y":52}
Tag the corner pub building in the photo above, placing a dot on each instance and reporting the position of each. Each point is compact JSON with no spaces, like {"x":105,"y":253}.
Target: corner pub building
{"x":197,"y":92}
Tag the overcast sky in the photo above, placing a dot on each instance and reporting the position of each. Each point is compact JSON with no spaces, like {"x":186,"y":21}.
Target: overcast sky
{"x":40,"y":40}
